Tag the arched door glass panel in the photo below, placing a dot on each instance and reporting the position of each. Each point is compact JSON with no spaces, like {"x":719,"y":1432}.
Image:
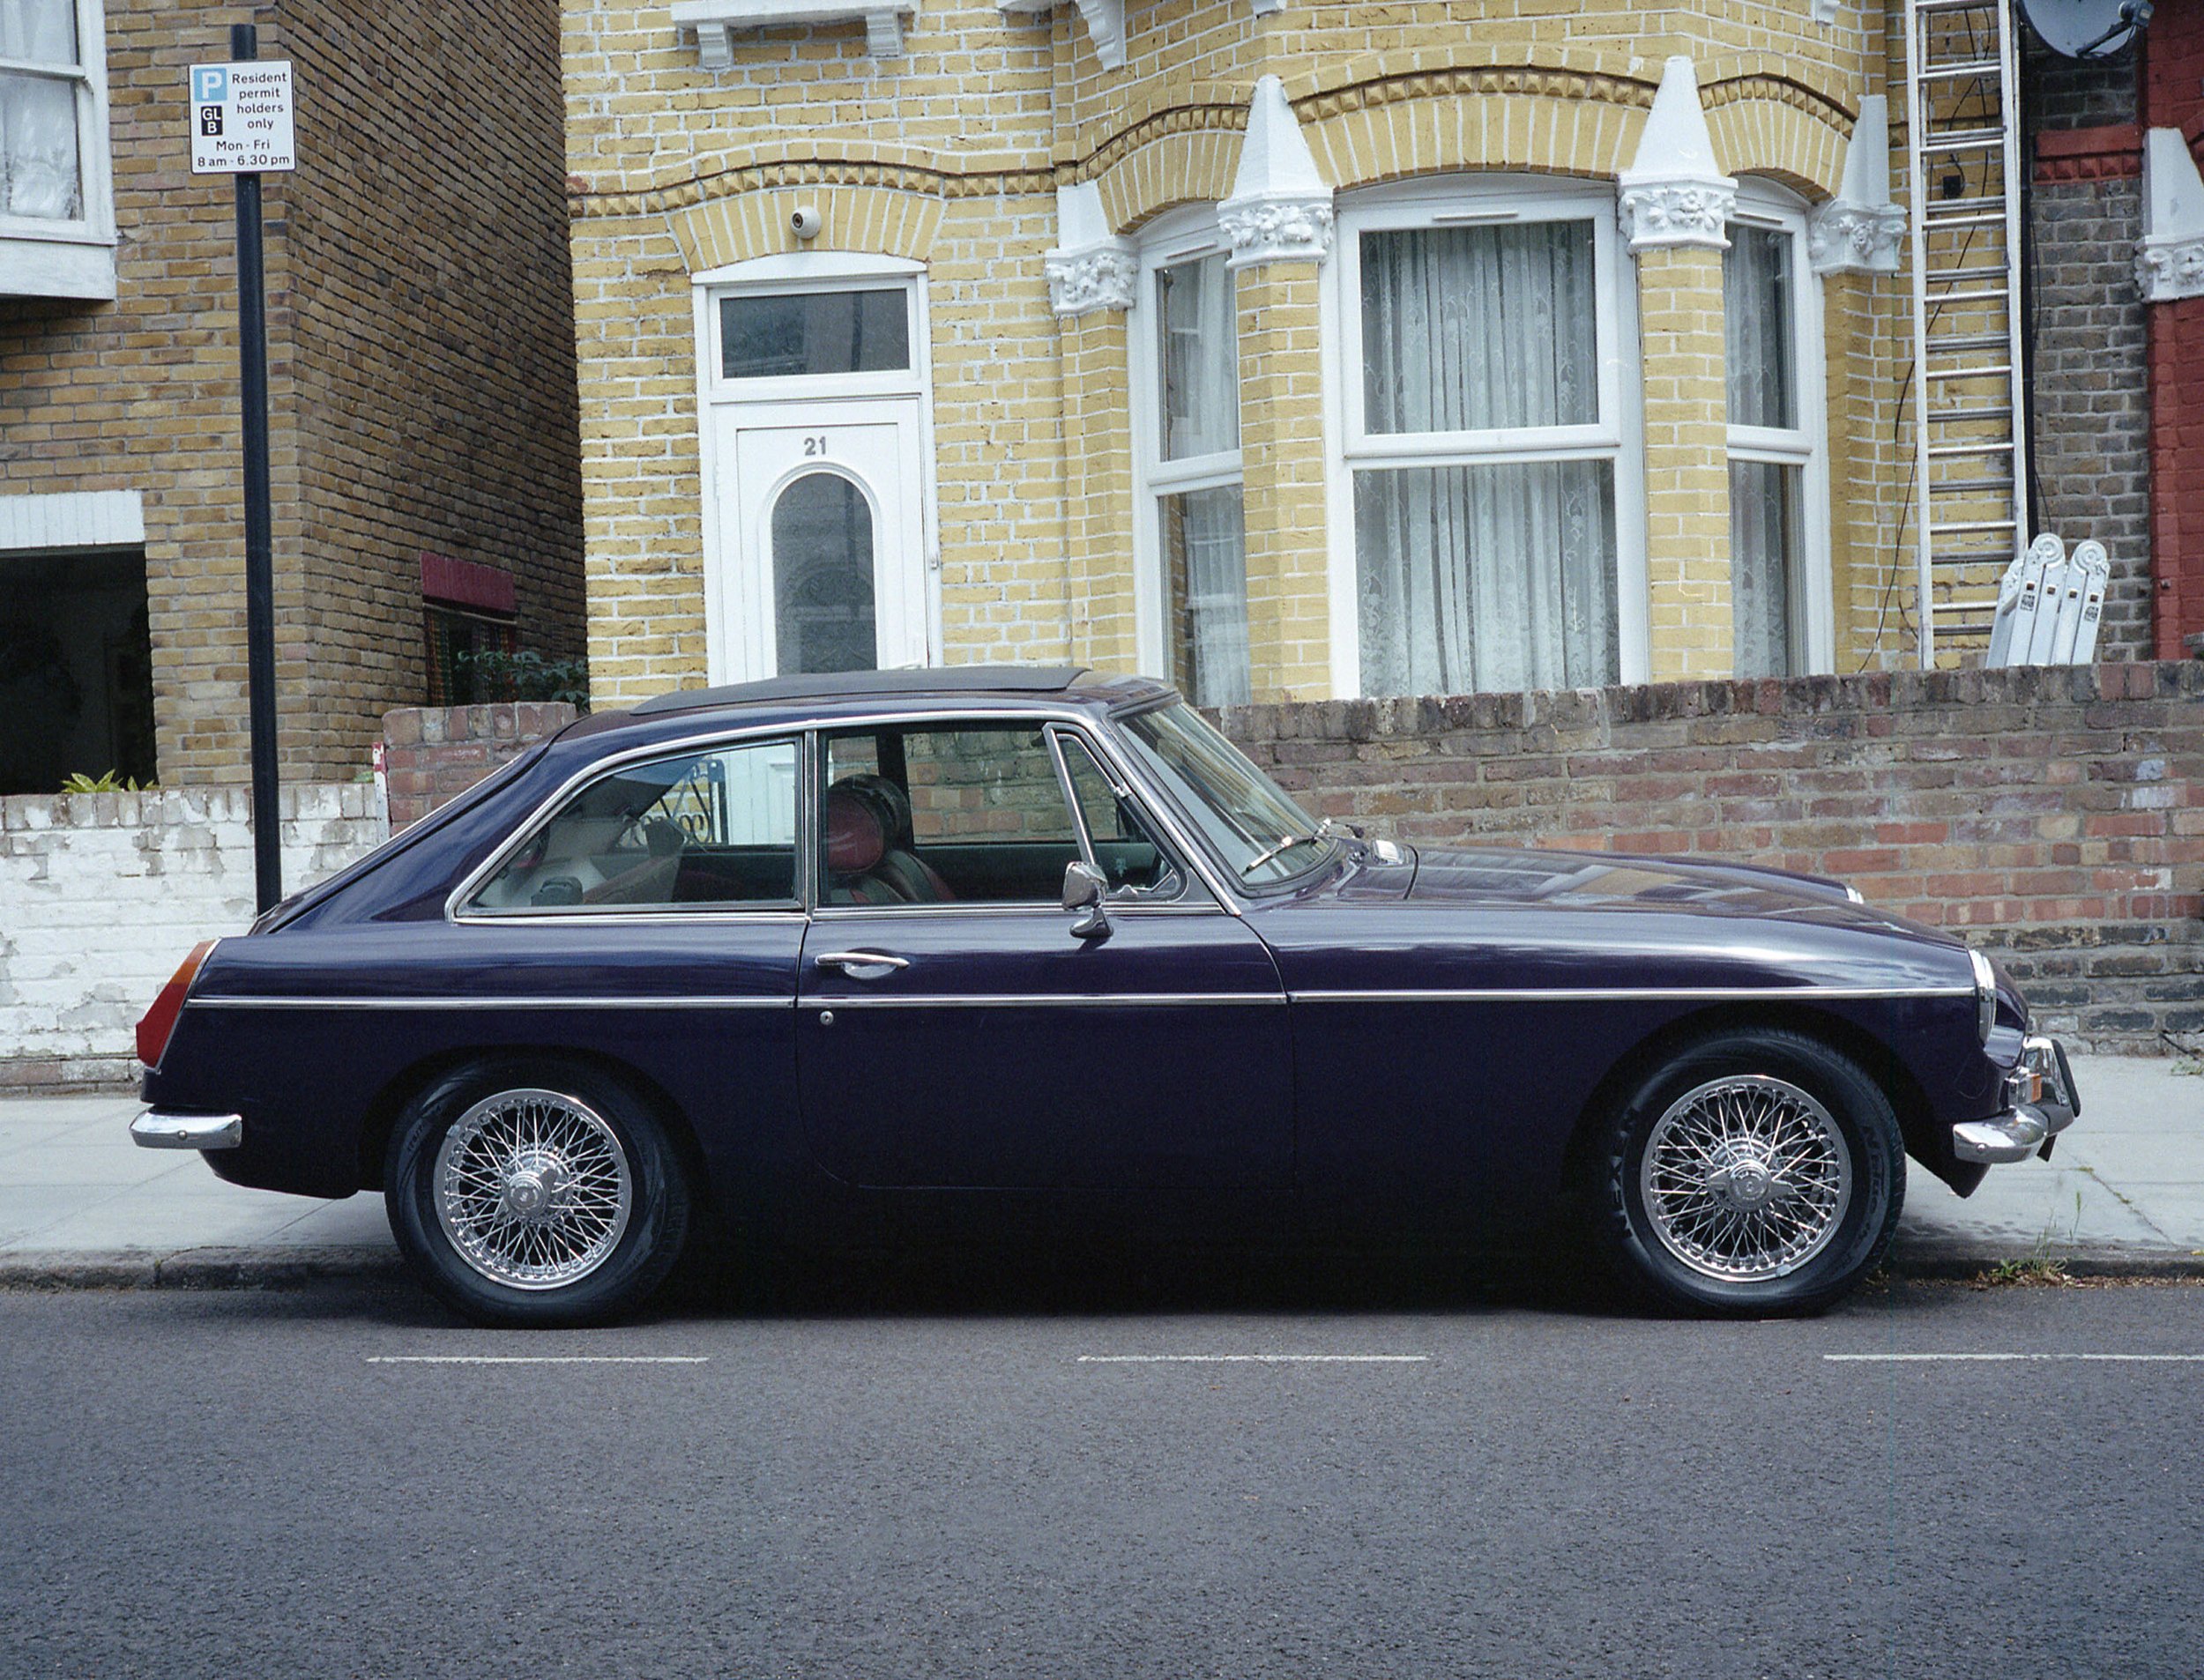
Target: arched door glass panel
{"x":823,"y":576}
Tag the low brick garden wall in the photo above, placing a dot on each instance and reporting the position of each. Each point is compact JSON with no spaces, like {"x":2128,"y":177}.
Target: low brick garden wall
{"x":2055,"y":817}
{"x":431,"y":752}
{"x":102,"y":894}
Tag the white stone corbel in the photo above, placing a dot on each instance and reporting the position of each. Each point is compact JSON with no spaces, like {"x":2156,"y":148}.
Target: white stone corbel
{"x":1104,"y":20}
{"x":716,"y":22}
{"x":1858,"y":231}
{"x":1824,"y":12}
{"x":1106,"y":28}
{"x":715,"y":45}
{"x":1280,"y":207}
{"x":1091,"y":268}
{"x":1673,"y":193}
{"x":2170,"y":256}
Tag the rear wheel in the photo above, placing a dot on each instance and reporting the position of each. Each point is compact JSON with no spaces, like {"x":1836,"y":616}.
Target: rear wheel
{"x":1753,"y":1173}
{"x":535,"y":1195}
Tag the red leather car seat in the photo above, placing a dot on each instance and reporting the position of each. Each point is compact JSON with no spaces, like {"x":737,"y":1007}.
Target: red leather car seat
{"x":868,"y":822}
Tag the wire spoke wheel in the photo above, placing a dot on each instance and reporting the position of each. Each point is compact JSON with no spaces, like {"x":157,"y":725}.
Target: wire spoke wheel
{"x":533,"y":1188}
{"x":1746,"y":1178}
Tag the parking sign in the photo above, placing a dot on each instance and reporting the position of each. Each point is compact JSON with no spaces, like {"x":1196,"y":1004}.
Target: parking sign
{"x":241,"y":118}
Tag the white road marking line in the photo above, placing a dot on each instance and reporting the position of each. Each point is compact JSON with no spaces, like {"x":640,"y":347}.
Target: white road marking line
{"x":2009,"y":1359}
{"x":538,"y":1359}
{"x":1254,"y":1358}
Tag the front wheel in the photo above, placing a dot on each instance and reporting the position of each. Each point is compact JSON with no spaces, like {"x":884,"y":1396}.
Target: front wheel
{"x":1755,"y":1173}
{"x":535,"y":1196}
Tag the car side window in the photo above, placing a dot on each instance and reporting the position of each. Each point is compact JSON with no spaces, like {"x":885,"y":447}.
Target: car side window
{"x":941,"y":815}
{"x":1139,"y":869}
{"x":695,"y":831}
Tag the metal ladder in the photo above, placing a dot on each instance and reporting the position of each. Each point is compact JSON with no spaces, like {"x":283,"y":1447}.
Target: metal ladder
{"x":1963,"y":177}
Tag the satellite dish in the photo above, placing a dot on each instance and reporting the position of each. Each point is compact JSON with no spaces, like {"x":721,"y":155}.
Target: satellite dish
{"x":2086,"y":28}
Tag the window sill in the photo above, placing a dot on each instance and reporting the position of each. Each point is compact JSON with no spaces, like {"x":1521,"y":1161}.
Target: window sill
{"x":31,"y":267}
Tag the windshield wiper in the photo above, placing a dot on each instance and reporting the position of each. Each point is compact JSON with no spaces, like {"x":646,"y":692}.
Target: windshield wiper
{"x":1286,"y":844}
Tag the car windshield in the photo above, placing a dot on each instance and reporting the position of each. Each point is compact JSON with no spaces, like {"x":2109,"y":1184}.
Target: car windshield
{"x":1260,"y":833}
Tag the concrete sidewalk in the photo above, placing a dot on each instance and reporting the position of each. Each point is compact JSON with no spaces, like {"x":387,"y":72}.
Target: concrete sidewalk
{"x":80,"y":1203}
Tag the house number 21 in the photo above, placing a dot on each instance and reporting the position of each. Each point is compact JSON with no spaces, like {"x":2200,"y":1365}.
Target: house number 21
{"x":815,"y":445}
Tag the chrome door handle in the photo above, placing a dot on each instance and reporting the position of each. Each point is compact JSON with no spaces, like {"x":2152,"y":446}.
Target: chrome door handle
{"x":861,"y":966}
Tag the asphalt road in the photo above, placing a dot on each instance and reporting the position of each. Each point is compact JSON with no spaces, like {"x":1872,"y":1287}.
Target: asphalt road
{"x":976,"y":1482}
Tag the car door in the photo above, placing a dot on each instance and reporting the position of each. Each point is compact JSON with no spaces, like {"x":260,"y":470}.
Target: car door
{"x":953,"y":1031}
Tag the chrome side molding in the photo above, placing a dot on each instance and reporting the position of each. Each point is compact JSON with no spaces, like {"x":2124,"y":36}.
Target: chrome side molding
{"x":154,"y":1130}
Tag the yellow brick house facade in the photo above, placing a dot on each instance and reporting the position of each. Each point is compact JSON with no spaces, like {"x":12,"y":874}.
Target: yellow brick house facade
{"x":1291,"y":351}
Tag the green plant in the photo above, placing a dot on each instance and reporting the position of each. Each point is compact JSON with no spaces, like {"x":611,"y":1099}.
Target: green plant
{"x":2039,"y":1265}
{"x":492,"y":674}
{"x":108,"y":782}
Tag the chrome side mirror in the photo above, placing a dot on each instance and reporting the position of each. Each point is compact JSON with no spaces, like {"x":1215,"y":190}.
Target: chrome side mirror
{"x":1084,"y":888}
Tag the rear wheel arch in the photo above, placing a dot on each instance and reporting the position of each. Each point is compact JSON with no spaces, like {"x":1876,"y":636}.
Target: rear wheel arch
{"x":398,"y":1094}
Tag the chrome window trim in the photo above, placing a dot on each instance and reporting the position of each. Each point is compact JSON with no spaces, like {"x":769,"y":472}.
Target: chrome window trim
{"x":1150,"y":803}
{"x":1083,"y":739}
{"x":454,"y":910}
{"x":811,"y":766}
{"x":1080,"y":722}
{"x":1628,"y":994}
{"x":778,"y":910}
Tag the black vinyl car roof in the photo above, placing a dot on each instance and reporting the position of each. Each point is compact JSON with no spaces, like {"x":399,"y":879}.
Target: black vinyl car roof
{"x":857,"y":685}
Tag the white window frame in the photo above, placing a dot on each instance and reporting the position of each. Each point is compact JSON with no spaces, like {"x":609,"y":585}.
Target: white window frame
{"x":1177,"y":236}
{"x":72,"y":259}
{"x":1465,"y":201}
{"x":805,"y":271}
{"x":1762,"y":204}
{"x":722,"y":399}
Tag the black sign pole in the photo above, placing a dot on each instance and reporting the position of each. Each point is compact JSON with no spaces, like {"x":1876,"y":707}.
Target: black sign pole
{"x":252,"y":357}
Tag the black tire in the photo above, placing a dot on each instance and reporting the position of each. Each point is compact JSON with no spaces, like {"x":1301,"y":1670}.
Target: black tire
{"x":1848,"y":1114}
{"x":622,"y":1266}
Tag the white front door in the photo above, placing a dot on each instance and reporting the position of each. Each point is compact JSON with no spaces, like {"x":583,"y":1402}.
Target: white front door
{"x":822,"y":506}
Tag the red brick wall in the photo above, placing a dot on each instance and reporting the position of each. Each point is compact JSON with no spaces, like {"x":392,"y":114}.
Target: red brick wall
{"x":432,"y":752}
{"x":2054,"y":816}
{"x":2173,"y":98}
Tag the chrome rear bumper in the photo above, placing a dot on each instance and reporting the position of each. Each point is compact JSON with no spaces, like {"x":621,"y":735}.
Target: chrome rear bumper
{"x":154,"y":1130}
{"x":2042,"y":1103}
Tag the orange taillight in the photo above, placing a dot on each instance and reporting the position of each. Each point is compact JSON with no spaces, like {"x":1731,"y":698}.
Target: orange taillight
{"x":160,"y":1021}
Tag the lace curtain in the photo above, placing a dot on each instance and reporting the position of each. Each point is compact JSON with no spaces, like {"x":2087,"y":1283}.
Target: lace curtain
{"x":39,"y":173}
{"x":1206,"y":554}
{"x":1766,"y":535}
{"x":1201,"y":358}
{"x":1204,"y":547}
{"x":1484,"y":575}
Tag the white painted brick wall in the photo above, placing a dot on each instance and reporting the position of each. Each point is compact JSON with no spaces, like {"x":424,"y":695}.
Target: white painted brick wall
{"x":102,"y":894}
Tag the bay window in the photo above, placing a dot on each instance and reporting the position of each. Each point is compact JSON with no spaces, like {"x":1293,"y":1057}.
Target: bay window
{"x":57,"y":217}
{"x":1488,"y":445}
{"x":1779,"y":583}
{"x":1186,"y":368}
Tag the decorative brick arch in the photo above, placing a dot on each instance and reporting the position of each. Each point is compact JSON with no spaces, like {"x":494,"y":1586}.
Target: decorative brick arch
{"x":888,"y":221}
{"x":1761,"y":129}
{"x":1170,"y":170}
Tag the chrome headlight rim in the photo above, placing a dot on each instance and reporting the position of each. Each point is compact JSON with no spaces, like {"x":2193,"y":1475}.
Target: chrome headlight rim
{"x":1985,"y":994}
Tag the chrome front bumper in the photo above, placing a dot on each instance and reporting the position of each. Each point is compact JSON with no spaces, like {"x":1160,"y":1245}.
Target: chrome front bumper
{"x":2041,"y":1102}
{"x":154,"y":1130}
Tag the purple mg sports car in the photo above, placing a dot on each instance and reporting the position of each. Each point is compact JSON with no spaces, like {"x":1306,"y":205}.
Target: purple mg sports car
{"x":900,"y":956}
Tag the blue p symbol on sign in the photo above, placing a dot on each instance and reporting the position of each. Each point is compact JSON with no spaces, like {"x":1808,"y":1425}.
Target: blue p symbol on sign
{"x":209,"y":85}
